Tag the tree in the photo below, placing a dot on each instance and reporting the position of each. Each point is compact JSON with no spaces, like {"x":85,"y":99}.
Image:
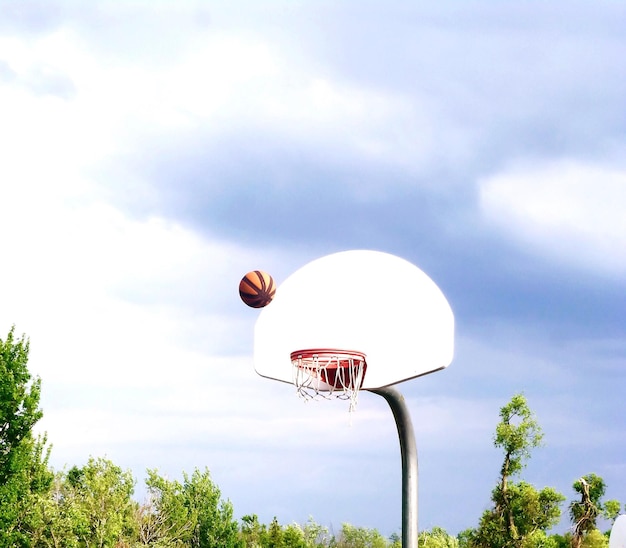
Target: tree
{"x":214,"y":525}
{"x":520,"y":511}
{"x":191,"y":513}
{"x":466,"y":538}
{"x":19,"y":401}
{"x":517,"y":433}
{"x":36,"y":479}
{"x":539,"y":539}
{"x":437,"y":538}
{"x":562,"y":541}
{"x":58,"y":514}
{"x":584,"y":512}
{"x":253,"y":533}
{"x":595,"y":539}
{"x":611,"y":510}
{"x":24,"y":473}
{"x":165,"y":519}
{"x":97,"y":500}
{"x":256,"y":535}
{"x":293,"y":537}
{"x":359,"y":537}
{"x":275,"y":535}
{"x":316,"y":535}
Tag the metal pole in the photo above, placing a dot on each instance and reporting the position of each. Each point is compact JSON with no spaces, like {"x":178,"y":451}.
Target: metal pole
{"x":408,"y":451}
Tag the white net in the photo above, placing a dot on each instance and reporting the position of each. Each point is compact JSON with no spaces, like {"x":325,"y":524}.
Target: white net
{"x":328,"y":374}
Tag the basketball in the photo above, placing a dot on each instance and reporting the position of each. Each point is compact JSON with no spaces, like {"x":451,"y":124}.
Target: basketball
{"x":257,"y":289}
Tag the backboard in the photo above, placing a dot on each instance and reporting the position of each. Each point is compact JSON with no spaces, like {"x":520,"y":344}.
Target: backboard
{"x":365,"y":301}
{"x":618,"y":533}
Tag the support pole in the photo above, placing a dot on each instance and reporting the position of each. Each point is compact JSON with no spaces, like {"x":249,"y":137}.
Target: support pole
{"x":408,"y":451}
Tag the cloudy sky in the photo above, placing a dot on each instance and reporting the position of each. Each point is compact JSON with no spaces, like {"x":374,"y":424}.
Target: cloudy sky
{"x":152,"y":153}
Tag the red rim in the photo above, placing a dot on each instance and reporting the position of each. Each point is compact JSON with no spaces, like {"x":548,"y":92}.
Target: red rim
{"x":332,"y":365}
{"x":340,"y":356}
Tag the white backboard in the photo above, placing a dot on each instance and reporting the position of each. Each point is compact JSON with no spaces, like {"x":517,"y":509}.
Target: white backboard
{"x":368,"y":301}
{"x":618,"y":533}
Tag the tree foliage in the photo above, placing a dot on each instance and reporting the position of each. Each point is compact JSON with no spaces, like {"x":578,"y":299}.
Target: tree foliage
{"x":584,"y":512}
{"x":520,"y":513}
{"x":98,"y":498}
{"x":595,"y":539}
{"x":214,"y":523}
{"x":359,"y":537}
{"x":437,"y":537}
{"x":164,"y":519}
{"x":24,"y":473}
{"x":191,"y":513}
{"x":517,"y":433}
{"x":611,"y":509}
{"x":19,"y":402}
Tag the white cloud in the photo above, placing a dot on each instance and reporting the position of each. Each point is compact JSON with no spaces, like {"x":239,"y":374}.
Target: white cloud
{"x":117,"y":309}
{"x":227,"y":81}
{"x":567,"y":210}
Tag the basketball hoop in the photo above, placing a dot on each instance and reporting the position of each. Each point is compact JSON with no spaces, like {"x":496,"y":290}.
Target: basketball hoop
{"x":328,"y":373}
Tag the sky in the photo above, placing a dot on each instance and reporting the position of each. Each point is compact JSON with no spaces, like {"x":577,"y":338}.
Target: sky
{"x":151,"y":153}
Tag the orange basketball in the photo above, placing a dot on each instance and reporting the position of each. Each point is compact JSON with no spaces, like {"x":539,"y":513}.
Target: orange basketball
{"x":257,"y":289}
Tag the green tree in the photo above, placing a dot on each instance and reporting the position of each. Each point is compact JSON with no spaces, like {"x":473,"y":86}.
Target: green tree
{"x":562,"y":541}
{"x":96,"y":499}
{"x":520,"y":511}
{"x":275,"y":535}
{"x":517,"y":433}
{"x":437,"y":538}
{"x":214,"y":525}
{"x":57,"y":516}
{"x":539,"y":539}
{"x":584,"y":512}
{"x":19,"y":401}
{"x":359,"y":537}
{"x":257,"y":535}
{"x":24,"y":473}
{"x":165,"y":519}
{"x":37,"y":478}
{"x":191,"y":513}
{"x":293,"y":536}
{"x":595,"y":539}
{"x":253,"y":533}
{"x":466,"y":538}
{"x":316,"y":535}
{"x":611,"y":510}
{"x":395,"y":540}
